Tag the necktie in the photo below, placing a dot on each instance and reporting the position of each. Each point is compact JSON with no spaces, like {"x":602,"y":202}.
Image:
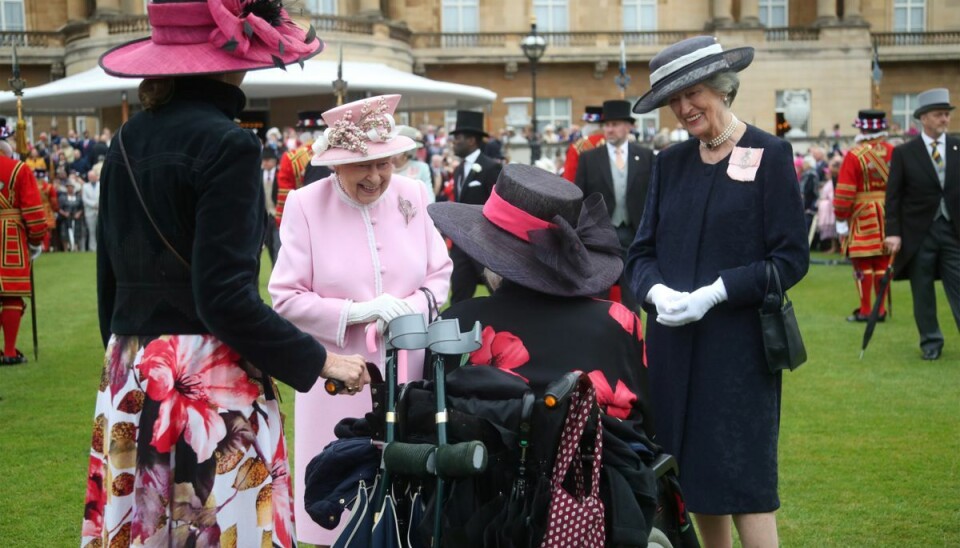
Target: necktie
{"x":935,"y":154}
{"x":618,"y":158}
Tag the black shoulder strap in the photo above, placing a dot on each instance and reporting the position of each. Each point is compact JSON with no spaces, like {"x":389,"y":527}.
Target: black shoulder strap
{"x":136,"y":188}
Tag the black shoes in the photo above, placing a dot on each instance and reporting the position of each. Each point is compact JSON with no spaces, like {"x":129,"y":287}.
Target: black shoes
{"x":13,"y":360}
{"x":932,"y":354}
{"x":856,"y":316}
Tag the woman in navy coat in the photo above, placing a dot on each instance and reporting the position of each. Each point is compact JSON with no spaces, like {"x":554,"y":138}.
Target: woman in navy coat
{"x":719,"y":207}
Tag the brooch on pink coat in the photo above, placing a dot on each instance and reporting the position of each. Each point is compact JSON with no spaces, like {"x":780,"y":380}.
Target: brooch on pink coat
{"x":407,"y":209}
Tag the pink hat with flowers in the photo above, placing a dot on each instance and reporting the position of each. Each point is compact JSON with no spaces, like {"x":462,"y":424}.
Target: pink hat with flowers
{"x":360,"y":131}
{"x":212,"y":37}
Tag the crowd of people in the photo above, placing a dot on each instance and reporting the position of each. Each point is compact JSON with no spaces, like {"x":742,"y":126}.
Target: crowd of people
{"x":67,"y":170}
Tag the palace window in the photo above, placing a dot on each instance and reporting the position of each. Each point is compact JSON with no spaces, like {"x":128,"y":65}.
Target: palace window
{"x":322,"y":7}
{"x":773,"y":13}
{"x":909,"y":15}
{"x":460,"y":16}
{"x":551,"y":15}
{"x":639,"y":15}
{"x":553,"y":111}
{"x":11,"y":16}
{"x":902,"y":113}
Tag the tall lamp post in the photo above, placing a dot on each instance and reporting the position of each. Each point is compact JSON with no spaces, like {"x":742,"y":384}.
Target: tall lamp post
{"x":533,"y":46}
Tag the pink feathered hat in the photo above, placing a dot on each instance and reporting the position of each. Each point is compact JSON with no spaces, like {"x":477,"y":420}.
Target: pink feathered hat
{"x":212,"y":37}
{"x":360,"y":131}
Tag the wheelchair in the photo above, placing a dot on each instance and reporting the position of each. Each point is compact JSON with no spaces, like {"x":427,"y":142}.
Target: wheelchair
{"x":466,"y":458}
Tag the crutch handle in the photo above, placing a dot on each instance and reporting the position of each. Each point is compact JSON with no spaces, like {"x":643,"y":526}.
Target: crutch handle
{"x":461,"y":459}
{"x":410,"y":459}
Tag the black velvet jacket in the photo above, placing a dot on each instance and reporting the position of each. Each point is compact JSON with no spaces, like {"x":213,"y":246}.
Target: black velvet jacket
{"x":198,"y":172}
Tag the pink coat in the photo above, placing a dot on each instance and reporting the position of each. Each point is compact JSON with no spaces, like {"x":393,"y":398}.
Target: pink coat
{"x":334,"y":252}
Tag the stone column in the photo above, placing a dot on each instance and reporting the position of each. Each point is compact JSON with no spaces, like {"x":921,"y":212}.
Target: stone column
{"x":749,"y":13}
{"x":826,"y":13}
{"x":107,"y":7}
{"x":76,"y":10}
{"x":722,"y":13}
{"x":851,"y":12}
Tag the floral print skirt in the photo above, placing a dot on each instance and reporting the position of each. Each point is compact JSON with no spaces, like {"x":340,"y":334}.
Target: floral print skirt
{"x":187,"y":449}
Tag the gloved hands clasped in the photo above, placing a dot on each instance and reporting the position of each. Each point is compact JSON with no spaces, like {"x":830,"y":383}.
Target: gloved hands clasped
{"x":385,"y":308}
{"x":689,"y":308}
{"x":665,"y":299}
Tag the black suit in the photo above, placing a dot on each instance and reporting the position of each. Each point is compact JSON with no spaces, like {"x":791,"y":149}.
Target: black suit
{"x":930,"y":249}
{"x":473,"y":187}
{"x":272,"y":238}
{"x":595,"y":175}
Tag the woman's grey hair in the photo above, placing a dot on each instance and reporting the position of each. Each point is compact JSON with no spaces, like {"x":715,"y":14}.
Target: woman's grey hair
{"x":726,"y":84}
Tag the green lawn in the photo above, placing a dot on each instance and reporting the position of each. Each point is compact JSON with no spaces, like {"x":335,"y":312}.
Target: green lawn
{"x":870,"y":450}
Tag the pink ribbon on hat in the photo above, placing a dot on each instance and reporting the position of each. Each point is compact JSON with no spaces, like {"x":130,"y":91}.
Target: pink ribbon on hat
{"x":511,"y":218}
{"x":232,"y":24}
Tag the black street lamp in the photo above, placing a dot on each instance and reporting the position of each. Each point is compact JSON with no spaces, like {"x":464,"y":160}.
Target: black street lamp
{"x":533,"y":46}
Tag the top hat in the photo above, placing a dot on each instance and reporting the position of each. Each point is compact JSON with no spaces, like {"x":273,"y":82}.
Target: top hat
{"x":360,"y":131}
{"x":686,"y":63}
{"x":932,"y":99}
{"x":212,"y":37}
{"x":268,"y":154}
{"x":469,"y":121}
{"x":310,"y":120}
{"x":871,"y":121}
{"x":616,"y":109}
{"x":592,"y":114}
{"x":538,"y":231}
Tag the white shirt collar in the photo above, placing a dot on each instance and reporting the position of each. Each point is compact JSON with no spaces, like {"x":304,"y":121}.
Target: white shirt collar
{"x":613,"y":152}
{"x":472,"y":157}
{"x":941,"y":141}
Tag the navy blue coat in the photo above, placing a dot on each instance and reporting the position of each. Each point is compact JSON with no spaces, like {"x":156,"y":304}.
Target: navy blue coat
{"x":716,"y":405}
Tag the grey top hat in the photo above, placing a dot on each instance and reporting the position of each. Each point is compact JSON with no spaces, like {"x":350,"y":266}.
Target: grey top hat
{"x":932,"y":99}
{"x":538,"y":231}
{"x":686,"y":63}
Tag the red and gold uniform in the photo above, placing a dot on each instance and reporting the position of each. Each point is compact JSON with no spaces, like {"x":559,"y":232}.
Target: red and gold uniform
{"x":51,"y":204}
{"x":22,"y":220}
{"x":293,"y":165}
{"x":578,"y":147}
{"x":859,"y":200}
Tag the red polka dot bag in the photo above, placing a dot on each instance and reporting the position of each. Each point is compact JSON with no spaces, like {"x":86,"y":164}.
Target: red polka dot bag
{"x":576,"y":519}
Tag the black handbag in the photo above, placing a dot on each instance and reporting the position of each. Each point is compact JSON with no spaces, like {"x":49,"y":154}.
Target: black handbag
{"x":782,"y":342}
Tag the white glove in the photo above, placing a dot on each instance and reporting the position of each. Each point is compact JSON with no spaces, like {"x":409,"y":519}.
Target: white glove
{"x":842,"y":228}
{"x":35,"y":251}
{"x":665,"y":299}
{"x":695,"y":305}
{"x":385,"y":307}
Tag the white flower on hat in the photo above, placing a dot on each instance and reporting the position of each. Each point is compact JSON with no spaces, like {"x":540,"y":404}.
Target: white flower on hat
{"x":476,"y":168}
{"x":322,"y":143}
{"x":385,"y":132}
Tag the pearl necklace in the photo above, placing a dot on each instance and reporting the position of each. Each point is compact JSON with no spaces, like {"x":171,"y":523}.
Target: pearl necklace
{"x":722,"y":138}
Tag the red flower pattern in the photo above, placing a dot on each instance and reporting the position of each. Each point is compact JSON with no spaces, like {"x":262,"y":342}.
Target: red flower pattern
{"x":503,"y":350}
{"x":193,"y":382}
{"x":95,"y":500}
{"x":616,"y":403}
{"x":282,"y":501}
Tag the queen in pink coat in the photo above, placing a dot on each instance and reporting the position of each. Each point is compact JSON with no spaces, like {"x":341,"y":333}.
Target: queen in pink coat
{"x":357,"y":247}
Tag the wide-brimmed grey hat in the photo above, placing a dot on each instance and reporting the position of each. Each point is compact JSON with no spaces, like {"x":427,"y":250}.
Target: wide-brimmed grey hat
{"x":932,"y":99}
{"x":686,"y":63}
{"x":537,"y":230}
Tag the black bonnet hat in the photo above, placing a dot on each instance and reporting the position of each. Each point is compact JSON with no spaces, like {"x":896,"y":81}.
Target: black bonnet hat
{"x":538,"y":231}
{"x":687,"y":63}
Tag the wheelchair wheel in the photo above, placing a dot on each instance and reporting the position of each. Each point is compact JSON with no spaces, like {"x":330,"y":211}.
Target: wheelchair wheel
{"x":658,"y":539}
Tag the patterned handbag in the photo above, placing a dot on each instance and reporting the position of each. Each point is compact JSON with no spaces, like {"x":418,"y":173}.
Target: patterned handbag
{"x":576,"y":519}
